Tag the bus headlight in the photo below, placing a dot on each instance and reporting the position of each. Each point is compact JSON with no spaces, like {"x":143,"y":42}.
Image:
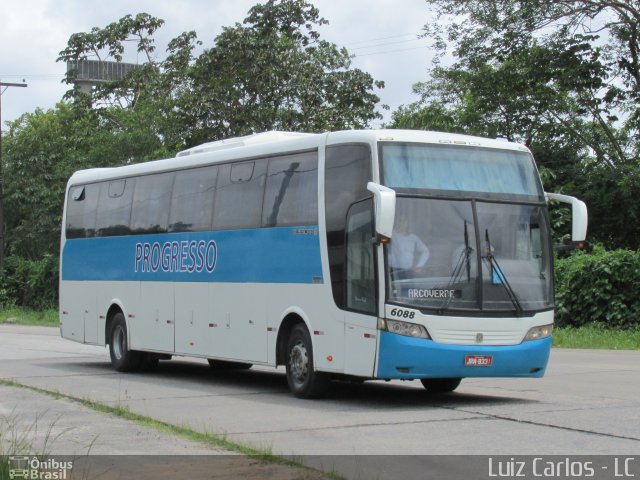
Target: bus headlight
{"x":536,"y":333}
{"x":403,"y":328}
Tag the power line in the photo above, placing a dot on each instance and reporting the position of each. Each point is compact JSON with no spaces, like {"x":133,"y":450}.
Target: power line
{"x":378,"y":39}
{"x":391,"y":51}
{"x":385,"y":44}
{"x":409,"y":37}
{"x":33,"y":76}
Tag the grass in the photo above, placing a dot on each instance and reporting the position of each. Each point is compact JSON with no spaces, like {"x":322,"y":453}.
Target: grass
{"x":142,"y":420}
{"x":185,"y":432}
{"x":26,"y":316}
{"x":18,"y":439}
{"x":596,"y":336}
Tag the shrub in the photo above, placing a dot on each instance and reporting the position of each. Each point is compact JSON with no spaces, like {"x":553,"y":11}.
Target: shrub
{"x":30,"y":283}
{"x":598,"y":287}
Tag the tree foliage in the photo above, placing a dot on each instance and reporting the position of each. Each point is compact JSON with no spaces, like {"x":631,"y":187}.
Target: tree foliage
{"x":601,"y":287}
{"x":42,"y":149}
{"x":576,"y":58}
{"x":559,"y":76}
{"x":144,"y":102}
{"x":272,"y":72}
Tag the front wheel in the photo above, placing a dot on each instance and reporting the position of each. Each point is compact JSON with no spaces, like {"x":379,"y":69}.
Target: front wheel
{"x":440,"y":385}
{"x":122,"y":359}
{"x":303,"y":380}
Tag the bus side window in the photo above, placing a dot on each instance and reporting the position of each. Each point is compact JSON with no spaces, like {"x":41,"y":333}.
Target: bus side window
{"x":114,"y":207}
{"x":291,"y":196}
{"x":238,"y":202}
{"x":347,"y":171}
{"x":360,"y":274}
{"x":192,"y":200}
{"x":151,"y":203}
{"x":81,"y":211}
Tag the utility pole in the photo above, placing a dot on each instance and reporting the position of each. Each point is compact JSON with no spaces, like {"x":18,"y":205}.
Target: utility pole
{"x":3,"y":87}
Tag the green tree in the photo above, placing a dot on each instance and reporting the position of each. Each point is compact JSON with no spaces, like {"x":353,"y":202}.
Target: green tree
{"x":274,"y":73}
{"x":108,"y":44}
{"x":558,"y":76}
{"x":42,"y":149}
{"x":143,"y":104}
{"x":589,"y":54}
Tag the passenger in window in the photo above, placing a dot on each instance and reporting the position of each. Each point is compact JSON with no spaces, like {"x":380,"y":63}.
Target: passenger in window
{"x":407,"y":251}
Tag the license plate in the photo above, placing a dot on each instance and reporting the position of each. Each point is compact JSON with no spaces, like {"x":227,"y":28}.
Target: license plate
{"x":478,"y":360}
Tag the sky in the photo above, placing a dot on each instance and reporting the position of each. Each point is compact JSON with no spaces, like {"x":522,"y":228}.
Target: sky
{"x":382,"y":34}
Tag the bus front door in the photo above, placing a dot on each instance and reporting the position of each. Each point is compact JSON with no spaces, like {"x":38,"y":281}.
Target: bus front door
{"x":361,"y":302}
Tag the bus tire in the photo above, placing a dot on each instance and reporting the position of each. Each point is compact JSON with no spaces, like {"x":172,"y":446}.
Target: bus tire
{"x":122,"y":359}
{"x":440,"y":385}
{"x":304,"y":381}
{"x":222,"y":365}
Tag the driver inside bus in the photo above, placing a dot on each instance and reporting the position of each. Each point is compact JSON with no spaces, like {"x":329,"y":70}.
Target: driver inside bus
{"x":407,"y":250}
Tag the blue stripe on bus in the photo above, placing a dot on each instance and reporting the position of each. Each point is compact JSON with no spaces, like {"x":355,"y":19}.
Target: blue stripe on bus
{"x":262,"y":255}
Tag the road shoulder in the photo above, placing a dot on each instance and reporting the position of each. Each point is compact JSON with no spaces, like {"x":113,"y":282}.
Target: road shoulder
{"x":36,"y":423}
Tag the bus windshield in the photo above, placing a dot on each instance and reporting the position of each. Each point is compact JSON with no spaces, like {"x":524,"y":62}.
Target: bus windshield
{"x":471,"y":230}
{"x":460,"y":169}
{"x":470,"y":255}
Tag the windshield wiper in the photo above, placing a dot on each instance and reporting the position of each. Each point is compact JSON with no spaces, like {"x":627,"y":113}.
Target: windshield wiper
{"x":463,"y":260}
{"x":495,"y":268}
{"x":467,"y":251}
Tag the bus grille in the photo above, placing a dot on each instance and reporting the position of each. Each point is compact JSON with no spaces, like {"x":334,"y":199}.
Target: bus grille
{"x":458,"y":337}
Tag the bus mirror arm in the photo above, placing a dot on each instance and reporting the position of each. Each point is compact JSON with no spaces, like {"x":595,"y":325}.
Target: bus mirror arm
{"x":384,"y":210}
{"x":579,"y":217}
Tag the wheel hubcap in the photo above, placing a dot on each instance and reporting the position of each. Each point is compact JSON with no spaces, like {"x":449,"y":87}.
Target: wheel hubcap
{"x":119,"y":346}
{"x":299,"y":362}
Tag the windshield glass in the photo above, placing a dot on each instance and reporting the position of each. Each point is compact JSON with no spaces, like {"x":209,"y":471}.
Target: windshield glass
{"x":469,"y":255}
{"x":459,"y":168}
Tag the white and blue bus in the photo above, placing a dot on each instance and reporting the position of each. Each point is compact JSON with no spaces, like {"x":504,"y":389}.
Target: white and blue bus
{"x":383,"y":254}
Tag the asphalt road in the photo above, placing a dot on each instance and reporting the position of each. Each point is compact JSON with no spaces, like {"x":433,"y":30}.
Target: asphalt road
{"x":587,"y":404}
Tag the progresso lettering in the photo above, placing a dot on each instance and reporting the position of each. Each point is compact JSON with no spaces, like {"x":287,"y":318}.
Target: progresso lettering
{"x":185,"y":256}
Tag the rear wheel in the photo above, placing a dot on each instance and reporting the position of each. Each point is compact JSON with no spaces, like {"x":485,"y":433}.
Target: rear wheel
{"x":303,"y":380}
{"x":440,"y":385}
{"x":122,"y":359}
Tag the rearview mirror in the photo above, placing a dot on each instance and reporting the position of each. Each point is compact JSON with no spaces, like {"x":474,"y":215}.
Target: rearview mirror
{"x":385,"y":209}
{"x":579,"y":217}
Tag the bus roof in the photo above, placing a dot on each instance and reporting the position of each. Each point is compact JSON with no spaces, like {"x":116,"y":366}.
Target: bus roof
{"x":236,"y":142}
{"x":274,"y":142}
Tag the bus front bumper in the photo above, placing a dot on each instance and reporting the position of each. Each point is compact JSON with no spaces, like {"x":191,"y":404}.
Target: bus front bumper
{"x":401,"y":357}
